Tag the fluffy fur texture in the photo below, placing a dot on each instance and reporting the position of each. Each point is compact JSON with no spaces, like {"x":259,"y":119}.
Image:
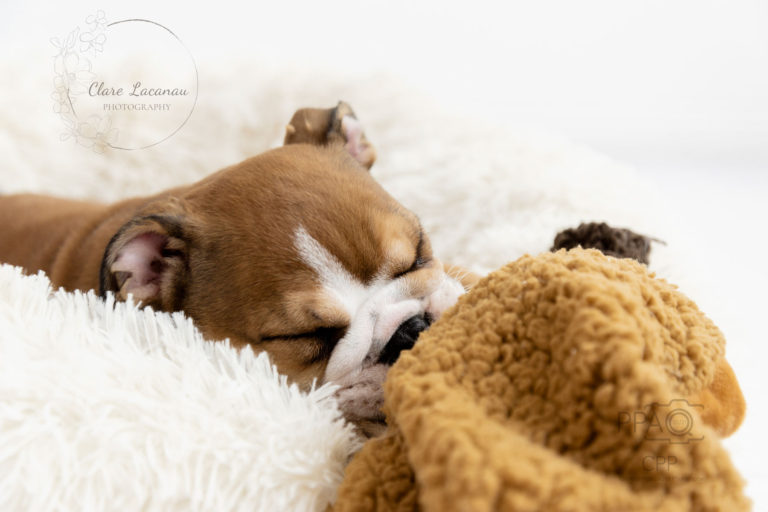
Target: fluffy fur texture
{"x":485,"y":195}
{"x":524,"y":396}
{"x":107,"y":407}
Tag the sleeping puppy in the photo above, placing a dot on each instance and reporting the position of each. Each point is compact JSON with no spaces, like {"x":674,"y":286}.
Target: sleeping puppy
{"x":297,"y":252}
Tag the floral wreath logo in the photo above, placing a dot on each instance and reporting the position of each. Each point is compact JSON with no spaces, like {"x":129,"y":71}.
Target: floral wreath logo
{"x":74,"y":74}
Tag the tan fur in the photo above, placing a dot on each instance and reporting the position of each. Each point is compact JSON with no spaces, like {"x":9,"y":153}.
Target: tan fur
{"x":467,"y":279}
{"x":64,"y":238}
{"x":228,"y":257}
{"x":543,"y":389}
{"x":722,"y":401}
{"x":238,"y":228}
{"x":328,"y":126}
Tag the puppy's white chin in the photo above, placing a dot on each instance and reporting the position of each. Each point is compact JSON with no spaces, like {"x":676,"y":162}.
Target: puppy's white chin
{"x":361,"y":392}
{"x":361,"y":396}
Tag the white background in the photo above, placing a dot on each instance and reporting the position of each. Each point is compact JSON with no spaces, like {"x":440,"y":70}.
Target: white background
{"x":678,"y":89}
{"x":646,"y":82}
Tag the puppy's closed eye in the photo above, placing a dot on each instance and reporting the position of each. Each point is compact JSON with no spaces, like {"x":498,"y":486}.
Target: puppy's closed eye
{"x":422,"y":257}
{"x":319,"y":342}
{"x":416,"y":265}
{"x":323,"y":333}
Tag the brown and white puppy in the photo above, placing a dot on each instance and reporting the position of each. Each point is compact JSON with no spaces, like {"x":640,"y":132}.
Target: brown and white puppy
{"x":297,"y":251}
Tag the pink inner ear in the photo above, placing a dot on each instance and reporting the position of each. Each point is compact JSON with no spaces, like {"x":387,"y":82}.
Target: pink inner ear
{"x":142,"y":259}
{"x":356,"y":145}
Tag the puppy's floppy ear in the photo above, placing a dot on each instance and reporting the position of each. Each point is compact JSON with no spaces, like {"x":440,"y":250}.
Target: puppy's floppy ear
{"x":337,"y":125}
{"x":147,"y":258}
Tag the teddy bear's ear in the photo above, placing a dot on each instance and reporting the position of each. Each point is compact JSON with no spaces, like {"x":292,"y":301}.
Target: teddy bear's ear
{"x":722,"y":402}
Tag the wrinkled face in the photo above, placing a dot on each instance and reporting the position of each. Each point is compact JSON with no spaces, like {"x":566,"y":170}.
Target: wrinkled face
{"x":374,"y":319}
{"x":297,"y":252}
{"x":311,"y":260}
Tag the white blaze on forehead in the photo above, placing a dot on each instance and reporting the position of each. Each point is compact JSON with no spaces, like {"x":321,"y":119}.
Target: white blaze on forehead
{"x":356,"y":299}
{"x":337,"y":281}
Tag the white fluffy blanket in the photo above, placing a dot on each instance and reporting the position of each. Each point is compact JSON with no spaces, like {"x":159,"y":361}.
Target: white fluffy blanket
{"x":111,"y":408}
{"x":106,"y":407}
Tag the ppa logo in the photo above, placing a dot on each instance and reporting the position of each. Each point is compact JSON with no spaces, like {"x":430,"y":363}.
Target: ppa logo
{"x":125,"y":84}
{"x":671,"y":422}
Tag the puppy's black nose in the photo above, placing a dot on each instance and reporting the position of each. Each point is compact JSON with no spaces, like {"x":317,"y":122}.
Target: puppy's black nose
{"x":403,"y":339}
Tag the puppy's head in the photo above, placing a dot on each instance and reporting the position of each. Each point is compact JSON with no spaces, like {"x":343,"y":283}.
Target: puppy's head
{"x":297,"y":251}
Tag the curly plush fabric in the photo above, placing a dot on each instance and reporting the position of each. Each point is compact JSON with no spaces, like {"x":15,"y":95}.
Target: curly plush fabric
{"x":564,"y":381}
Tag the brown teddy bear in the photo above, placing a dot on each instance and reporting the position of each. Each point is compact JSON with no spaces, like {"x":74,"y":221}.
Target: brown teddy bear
{"x":565,"y":381}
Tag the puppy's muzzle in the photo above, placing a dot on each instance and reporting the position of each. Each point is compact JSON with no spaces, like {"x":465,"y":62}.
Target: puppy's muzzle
{"x":404,"y":338}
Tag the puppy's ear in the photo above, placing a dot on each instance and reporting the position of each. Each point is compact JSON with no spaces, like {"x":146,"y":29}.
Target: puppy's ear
{"x":147,"y":258}
{"x":337,"y":125}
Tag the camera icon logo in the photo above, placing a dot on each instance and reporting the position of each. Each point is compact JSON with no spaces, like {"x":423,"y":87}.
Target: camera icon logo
{"x":671,"y":422}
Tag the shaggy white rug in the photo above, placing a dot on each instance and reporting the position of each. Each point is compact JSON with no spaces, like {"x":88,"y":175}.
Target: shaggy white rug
{"x":108,"y":407}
